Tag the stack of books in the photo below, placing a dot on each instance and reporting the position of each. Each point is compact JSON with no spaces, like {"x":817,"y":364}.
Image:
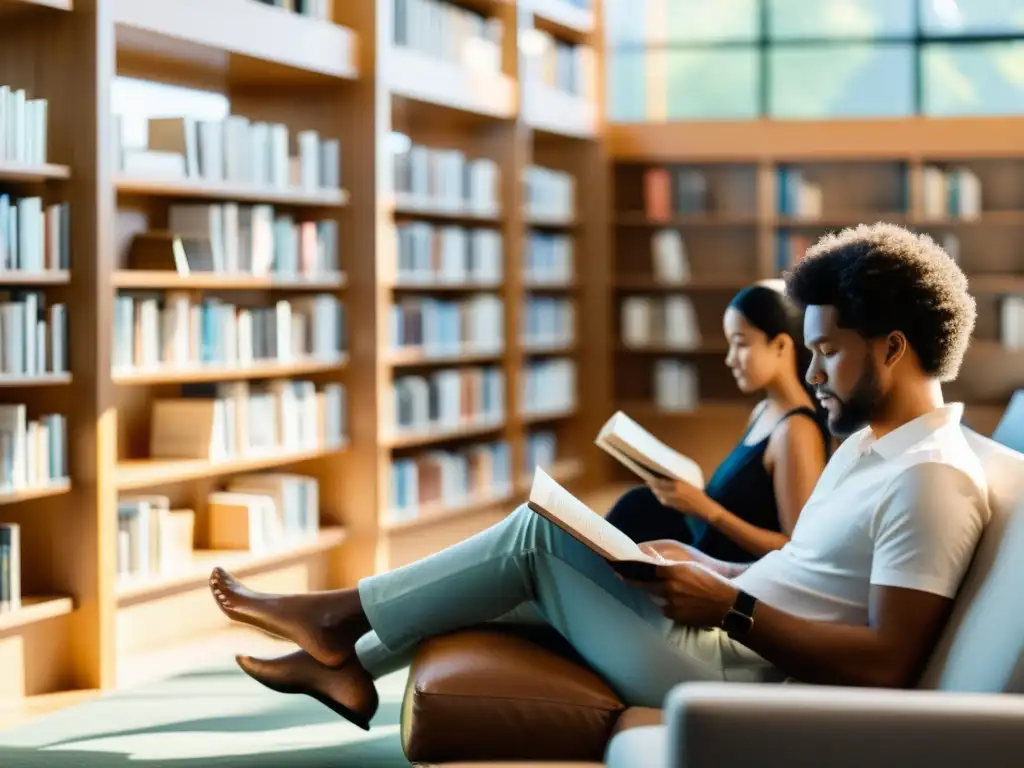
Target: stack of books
{"x":264,"y":512}
{"x":445,"y":180}
{"x":548,"y":258}
{"x":549,"y":387}
{"x":548,"y":321}
{"x":550,"y":194}
{"x":438,"y":328}
{"x":659,"y":322}
{"x":33,"y":336}
{"x":33,"y":452}
{"x":10,"y":567}
{"x":448,"y":255}
{"x":152,"y":538}
{"x":23,"y":127}
{"x":34,"y":237}
{"x":443,"y":30}
{"x":449,"y":399}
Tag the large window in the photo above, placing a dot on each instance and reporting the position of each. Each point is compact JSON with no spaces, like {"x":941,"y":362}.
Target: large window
{"x":809,"y":59}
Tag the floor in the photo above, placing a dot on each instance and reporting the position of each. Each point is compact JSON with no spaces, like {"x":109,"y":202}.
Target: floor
{"x":212,"y":651}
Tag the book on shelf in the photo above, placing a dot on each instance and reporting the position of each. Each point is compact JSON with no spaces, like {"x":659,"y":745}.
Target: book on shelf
{"x":34,"y":237}
{"x":294,"y":502}
{"x":670,"y":261}
{"x":548,"y":258}
{"x":33,"y":336}
{"x":172,"y":330}
{"x":655,"y":321}
{"x":23,"y":127}
{"x":559,"y":507}
{"x":235,"y":150}
{"x":224,"y":421}
{"x":640,"y":451}
{"x":443,"y":30}
{"x":675,"y":386}
{"x":232,"y":239}
{"x":548,"y":321}
{"x":445,"y":181}
{"x":954,"y":193}
{"x":314,"y":9}
{"x":540,"y":448}
{"x":798,"y":196}
{"x":550,"y":194}
{"x":449,"y":479}
{"x":790,"y":248}
{"x":10,"y":567}
{"x":668,"y":191}
{"x":548,"y":386}
{"x":447,"y":400}
{"x":33,"y":452}
{"x":449,"y":255}
{"x":1011,"y":322}
{"x":152,"y":538}
{"x":475,"y":325}
{"x":566,"y":67}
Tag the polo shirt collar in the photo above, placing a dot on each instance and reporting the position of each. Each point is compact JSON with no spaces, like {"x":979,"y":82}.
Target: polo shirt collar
{"x":913,"y":432}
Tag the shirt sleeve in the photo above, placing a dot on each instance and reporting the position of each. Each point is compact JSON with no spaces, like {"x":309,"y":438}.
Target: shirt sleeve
{"x":927,"y":528}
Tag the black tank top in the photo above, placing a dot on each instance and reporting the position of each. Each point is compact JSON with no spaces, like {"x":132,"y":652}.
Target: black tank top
{"x":743,"y":486}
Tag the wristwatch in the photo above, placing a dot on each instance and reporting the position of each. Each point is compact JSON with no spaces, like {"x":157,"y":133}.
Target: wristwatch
{"x":740,"y":618}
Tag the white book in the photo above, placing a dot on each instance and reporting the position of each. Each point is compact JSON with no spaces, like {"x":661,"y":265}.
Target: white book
{"x":643,"y":453}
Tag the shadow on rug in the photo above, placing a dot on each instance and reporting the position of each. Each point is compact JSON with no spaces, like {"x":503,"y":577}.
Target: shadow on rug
{"x":215,"y":717}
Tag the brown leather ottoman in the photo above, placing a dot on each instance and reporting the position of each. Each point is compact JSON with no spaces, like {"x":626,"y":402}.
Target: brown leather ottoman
{"x":509,"y":694}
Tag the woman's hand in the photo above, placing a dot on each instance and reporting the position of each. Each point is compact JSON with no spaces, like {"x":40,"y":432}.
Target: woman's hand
{"x":667,"y":551}
{"x":692,"y":595}
{"x":683,"y":497}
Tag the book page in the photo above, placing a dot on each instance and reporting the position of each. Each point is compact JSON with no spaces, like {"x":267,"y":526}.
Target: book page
{"x":636,"y":442}
{"x":552,"y":501}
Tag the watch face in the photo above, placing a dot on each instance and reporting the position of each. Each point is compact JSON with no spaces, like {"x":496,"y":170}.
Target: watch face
{"x":737,"y":623}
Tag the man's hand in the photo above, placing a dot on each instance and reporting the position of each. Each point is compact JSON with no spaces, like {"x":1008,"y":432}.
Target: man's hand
{"x":692,"y":595}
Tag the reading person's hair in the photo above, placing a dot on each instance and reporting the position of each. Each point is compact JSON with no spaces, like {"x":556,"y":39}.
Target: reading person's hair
{"x":883,"y":278}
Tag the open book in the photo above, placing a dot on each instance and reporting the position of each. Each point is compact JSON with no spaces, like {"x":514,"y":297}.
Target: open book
{"x":551,"y":501}
{"x":640,"y":451}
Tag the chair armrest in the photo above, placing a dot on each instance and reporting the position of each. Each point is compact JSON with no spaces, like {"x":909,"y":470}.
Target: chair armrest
{"x":798,"y":726}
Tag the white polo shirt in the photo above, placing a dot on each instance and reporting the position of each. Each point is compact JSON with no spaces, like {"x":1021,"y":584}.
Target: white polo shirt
{"x":906,"y":510}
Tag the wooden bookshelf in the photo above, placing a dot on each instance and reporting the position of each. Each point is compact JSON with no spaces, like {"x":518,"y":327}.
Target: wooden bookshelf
{"x":855,"y":171}
{"x":349,"y":79}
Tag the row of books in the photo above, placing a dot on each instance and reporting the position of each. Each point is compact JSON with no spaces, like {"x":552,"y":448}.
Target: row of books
{"x":790,"y":248}
{"x":1011,"y":322}
{"x":449,"y":255}
{"x":446,"y":180}
{"x":548,"y":386}
{"x":449,"y":32}
{"x":953,"y":193}
{"x":152,"y":538}
{"x":550,"y":194}
{"x":659,"y":321}
{"x":34,"y":237}
{"x":798,"y":196}
{"x":221,"y":421}
{"x":447,"y":400}
{"x":548,"y":321}
{"x":236,"y":150}
{"x":448,"y":327}
{"x":555,"y":63}
{"x":240,"y":240}
{"x":315,"y":9}
{"x":675,"y":386}
{"x":548,"y":258}
{"x":10,"y":567}
{"x":33,"y":335}
{"x":33,"y":452}
{"x":675,"y":190}
{"x":23,"y":127}
{"x":173,"y":330}
{"x":670,"y":262}
{"x":448,"y":479}
{"x":540,"y":449}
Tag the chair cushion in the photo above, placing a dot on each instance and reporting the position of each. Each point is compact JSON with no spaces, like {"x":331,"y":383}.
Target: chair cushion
{"x":982,"y":647}
{"x":488,"y":694}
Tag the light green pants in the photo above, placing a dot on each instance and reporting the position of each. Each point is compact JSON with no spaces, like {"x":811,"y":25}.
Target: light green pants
{"x":526,"y":570}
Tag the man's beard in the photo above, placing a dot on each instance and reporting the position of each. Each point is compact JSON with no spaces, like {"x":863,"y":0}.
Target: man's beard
{"x":863,"y":403}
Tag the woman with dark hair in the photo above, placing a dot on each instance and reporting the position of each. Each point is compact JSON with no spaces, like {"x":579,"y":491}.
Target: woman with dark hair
{"x":751,"y":503}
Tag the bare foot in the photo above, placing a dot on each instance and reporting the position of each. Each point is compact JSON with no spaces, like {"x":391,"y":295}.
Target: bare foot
{"x":325,"y":624}
{"x":348,"y":691}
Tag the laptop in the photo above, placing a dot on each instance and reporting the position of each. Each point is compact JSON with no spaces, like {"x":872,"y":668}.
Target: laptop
{"x":1010,"y":430}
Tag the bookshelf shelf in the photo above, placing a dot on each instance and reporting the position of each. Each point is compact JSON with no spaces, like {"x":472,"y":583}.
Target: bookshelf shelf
{"x":415,"y":76}
{"x":536,"y":417}
{"x":34,"y":610}
{"x":707,"y":347}
{"x":243,"y":193}
{"x":438,"y":513}
{"x":10,"y":171}
{"x":561,"y":18}
{"x":549,"y":285}
{"x":433,"y":287}
{"x":557,"y":348}
{"x":550,"y":222}
{"x":246,"y":41}
{"x":562,"y":114}
{"x":410,"y":210}
{"x":266,"y":370}
{"x":996,"y":283}
{"x":37,"y":492}
{"x":645,"y":410}
{"x":240,"y":562}
{"x":640,"y":219}
{"x":132,"y":278}
{"x":702,"y":283}
{"x":38,"y":380}
{"x":54,"y":277}
{"x":134,"y":474}
{"x":410,"y":358}
{"x":435,"y":436}
{"x":11,"y":7}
